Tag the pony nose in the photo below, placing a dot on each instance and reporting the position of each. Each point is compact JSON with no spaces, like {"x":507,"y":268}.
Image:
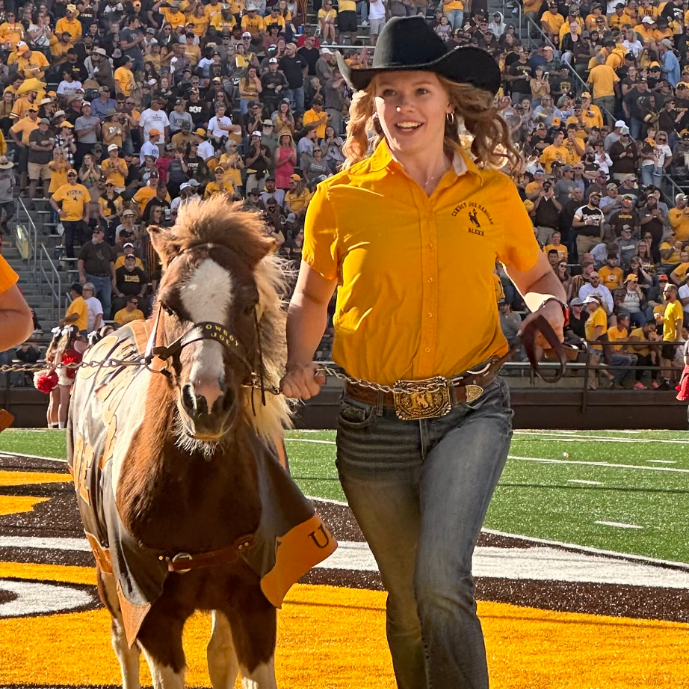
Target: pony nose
{"x":199,"y":397}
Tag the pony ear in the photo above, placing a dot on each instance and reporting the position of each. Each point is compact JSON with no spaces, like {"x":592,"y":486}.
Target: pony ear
{"x":163,"y":243}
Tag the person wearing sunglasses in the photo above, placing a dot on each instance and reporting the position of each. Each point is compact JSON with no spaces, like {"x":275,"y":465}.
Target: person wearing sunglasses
{"x":129,"y":313}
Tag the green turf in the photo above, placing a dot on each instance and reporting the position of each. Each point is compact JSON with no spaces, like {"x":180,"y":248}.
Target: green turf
{"x":41,"y":442}
{"x":535,"y":499}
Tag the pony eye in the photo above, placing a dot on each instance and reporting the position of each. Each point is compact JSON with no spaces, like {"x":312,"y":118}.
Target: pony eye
{"x":168,"y":310}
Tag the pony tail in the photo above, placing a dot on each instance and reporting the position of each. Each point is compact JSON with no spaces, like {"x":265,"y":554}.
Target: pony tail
{"x":361,"y":121}
{"x":491,"y":144}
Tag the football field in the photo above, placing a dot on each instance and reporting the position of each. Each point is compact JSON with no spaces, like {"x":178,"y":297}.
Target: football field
{"x":624,"y":491}
{"x":582,"y":571}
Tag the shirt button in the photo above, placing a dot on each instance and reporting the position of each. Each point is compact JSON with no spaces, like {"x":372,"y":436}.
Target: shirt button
{"x":430,"y":246}
{"x":430,"y":315}
{"x":427,"y":350}
{"x":430,"y":281}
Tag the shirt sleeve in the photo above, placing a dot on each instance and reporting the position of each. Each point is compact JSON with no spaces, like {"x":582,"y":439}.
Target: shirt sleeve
{"x":8,"y":278}
{"x":519,"y":246}
{"x":320,"y":236}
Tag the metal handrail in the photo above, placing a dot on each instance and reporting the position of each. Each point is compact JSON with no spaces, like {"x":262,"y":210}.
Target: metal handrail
{"x":34,"y":235}
{"x":53,"y":279}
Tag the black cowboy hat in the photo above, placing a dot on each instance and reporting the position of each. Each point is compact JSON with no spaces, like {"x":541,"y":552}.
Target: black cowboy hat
{"x":409,"y":43}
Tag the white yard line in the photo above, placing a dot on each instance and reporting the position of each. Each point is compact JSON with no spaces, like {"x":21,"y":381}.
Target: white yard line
{"x":308,"y":440}
{"x":587,"y":483}
{"x":45,"y":543}
{"x":572,"y":438}
{"x":4,"y":453}
{"x":610,"y":465}
{"x":538,"y":562}
{"x":619,"y":525}
{"x":535,"y":563}
{"x":561,"y":544}
{"x":662,"y":461}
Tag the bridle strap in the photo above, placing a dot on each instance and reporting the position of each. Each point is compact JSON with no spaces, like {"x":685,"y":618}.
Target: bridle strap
{"x":208,"y":330}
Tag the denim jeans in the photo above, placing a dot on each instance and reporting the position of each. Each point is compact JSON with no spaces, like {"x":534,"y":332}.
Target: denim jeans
{"x":420,"y":491}
{"x":74,"y":230}
{"x":103,"y":293}
{"x":296,"y":97}
{"x":362,"y":10}
{"x":455,"y":17}
{"x":622,"y":374}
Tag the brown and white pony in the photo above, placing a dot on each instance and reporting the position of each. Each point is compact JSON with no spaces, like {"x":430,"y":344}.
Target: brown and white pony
{"x":175,"y":453}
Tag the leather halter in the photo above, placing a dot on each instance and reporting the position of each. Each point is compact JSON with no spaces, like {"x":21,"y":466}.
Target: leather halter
{"x":207,"y":330}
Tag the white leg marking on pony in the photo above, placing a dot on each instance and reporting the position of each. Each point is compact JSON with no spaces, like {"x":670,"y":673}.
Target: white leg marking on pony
{"x":223,"y":666}
{"x":164,"y":677}
{"x":263,"y":677}
{"x":127,"y":657}
{"x":207,"y":296}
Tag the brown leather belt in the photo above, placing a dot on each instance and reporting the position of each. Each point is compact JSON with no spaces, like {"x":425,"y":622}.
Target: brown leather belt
{"x":429,"y":398}
{"x":186,"y":562}
{"x":434,"y":397}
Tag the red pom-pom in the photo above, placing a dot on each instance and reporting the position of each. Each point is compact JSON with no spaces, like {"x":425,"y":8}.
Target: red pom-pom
{"x":45,"y":381}
{"x":71,"y":357}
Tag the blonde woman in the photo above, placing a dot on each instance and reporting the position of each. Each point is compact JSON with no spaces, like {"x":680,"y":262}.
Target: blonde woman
{"x":410,"y":234}
{"x":58,"y":167}
{"x":285,"y":158}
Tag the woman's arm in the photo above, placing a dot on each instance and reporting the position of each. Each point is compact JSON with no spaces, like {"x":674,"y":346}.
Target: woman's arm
{"x":537,"y":285}
{"x":307,"y":319}
{"x":16,"y":323}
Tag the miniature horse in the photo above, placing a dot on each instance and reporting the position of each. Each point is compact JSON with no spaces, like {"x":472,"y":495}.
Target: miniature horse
{"x":182,"y":495}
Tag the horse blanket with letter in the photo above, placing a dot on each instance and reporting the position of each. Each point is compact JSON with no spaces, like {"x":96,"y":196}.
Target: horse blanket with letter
{"x":107,"y":410}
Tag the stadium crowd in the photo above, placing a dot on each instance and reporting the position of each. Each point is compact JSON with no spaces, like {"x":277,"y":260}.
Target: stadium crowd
{"x":119,"y":112}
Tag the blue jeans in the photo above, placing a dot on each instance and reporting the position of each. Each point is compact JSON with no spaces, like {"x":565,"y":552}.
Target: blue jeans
{"x":296,"y":97}
{"x":420,"y":491}
{"x":622,"y":374}
{"x":362,"y":9}
{"x":455,"y":17}
{"x":103,"y":293}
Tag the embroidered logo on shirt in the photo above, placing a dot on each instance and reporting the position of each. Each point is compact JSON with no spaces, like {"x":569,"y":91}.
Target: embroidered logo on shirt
{"x":477,"y":217}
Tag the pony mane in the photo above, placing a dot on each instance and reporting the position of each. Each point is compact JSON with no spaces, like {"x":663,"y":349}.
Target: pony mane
{"x":215,"y":221}
{"x":219,"y":221}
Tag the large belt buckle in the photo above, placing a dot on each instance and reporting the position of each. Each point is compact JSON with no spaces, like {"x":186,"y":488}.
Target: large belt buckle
{"x":422,"y":399}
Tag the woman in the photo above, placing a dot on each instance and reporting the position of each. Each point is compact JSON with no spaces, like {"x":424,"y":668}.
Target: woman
{"x":315,"y":167}
{"x":633,"y":300}
{"x":69,"y":350}
{"x":233,"y":164}
{"x":420,"y":489}
{"x":58,"y":170}
{"x":249,"y":89}
{"x":562,"y":272}
{"x":283,"y":119}
{"x":89,"y":172}
{"x":540,"y":86}
{"x":643,"y":279}
{"x":110,"y":210}
{"x":285,"y":159}
{"x":332,"y":150}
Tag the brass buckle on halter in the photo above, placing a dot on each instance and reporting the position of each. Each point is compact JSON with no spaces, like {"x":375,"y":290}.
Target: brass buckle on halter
{"x":422,"y":399}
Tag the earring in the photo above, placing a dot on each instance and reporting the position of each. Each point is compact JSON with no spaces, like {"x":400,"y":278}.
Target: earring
{"x":450,"y":118}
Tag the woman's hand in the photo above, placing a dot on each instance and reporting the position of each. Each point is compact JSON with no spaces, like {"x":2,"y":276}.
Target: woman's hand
{"x":302,"y":381}
{"x":552,"y":311}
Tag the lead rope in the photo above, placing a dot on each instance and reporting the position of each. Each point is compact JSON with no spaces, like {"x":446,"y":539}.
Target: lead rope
{"x":260,"y":359}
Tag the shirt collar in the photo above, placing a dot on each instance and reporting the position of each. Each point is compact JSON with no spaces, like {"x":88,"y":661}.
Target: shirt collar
{"x":382,"y":157}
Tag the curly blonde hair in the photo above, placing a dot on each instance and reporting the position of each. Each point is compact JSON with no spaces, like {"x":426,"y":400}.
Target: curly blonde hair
{"x":491,"y":144}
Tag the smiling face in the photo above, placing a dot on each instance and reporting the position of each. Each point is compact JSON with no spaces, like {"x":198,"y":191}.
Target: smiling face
{"x":411,"y":108}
